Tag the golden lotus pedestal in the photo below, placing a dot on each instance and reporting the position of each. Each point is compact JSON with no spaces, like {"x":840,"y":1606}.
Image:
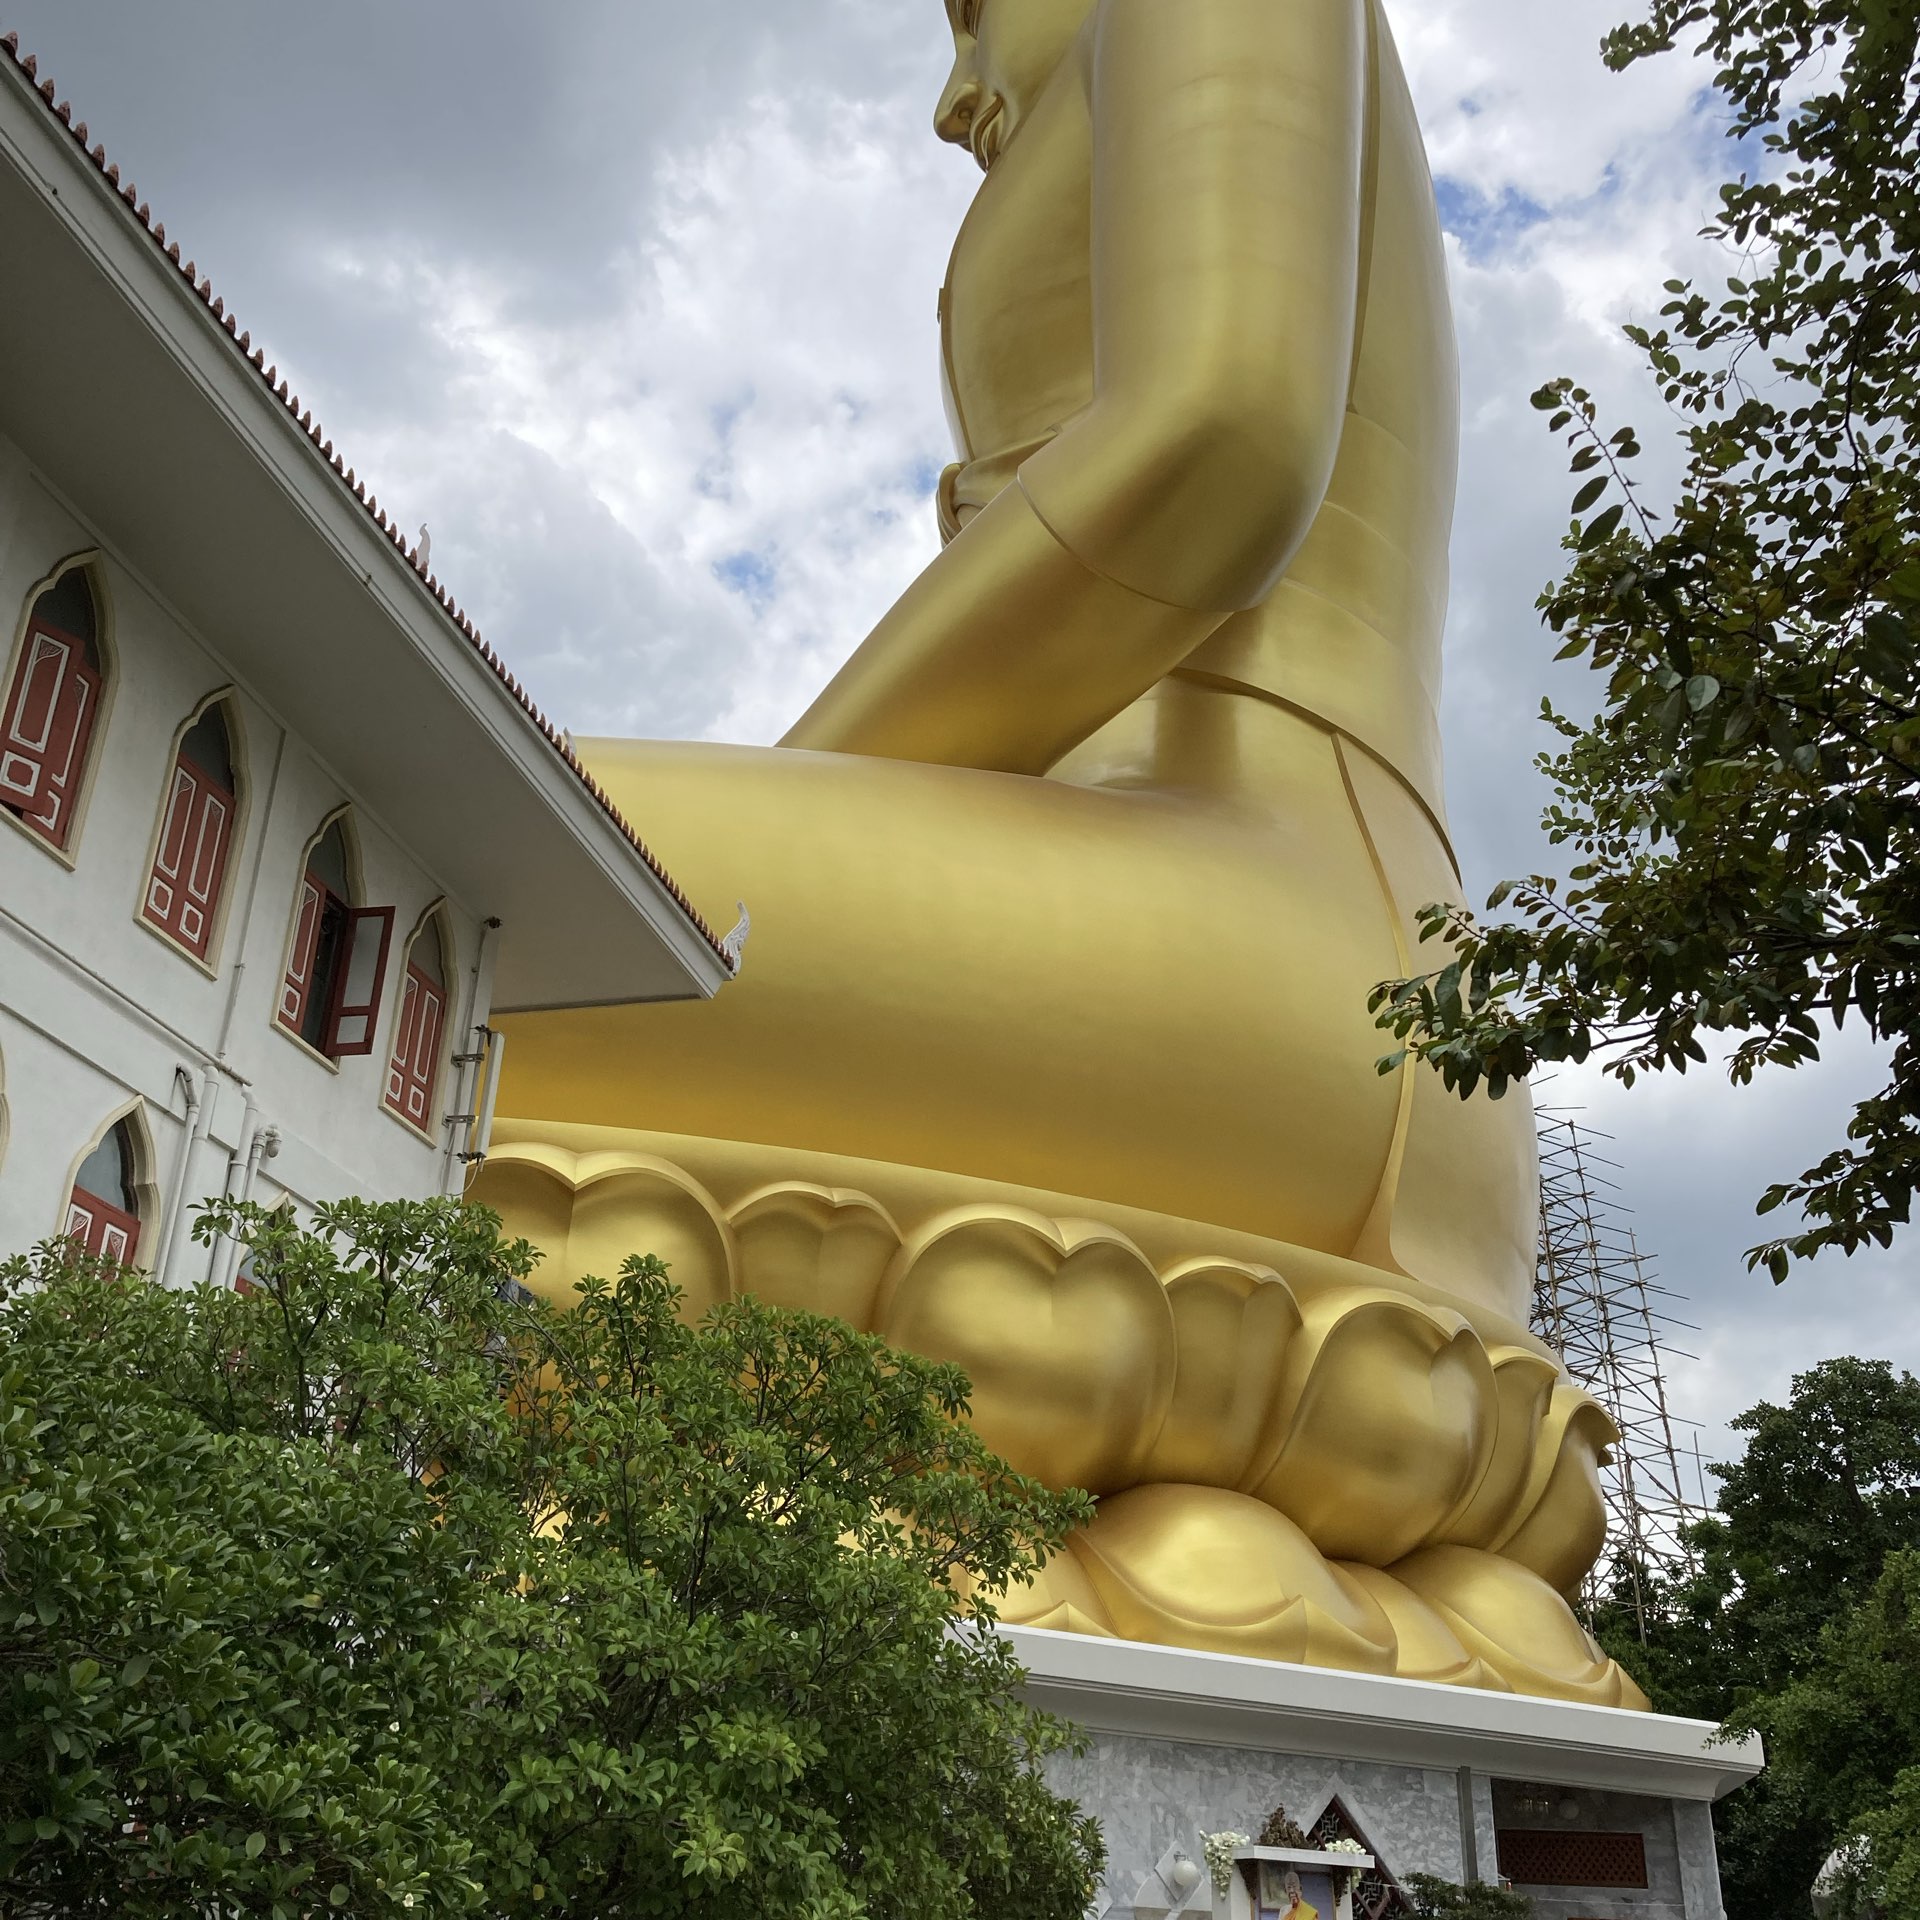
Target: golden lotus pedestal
{"x":1297,"y":1457}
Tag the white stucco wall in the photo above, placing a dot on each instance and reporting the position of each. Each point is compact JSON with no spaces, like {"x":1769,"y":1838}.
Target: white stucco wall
{"x":97,"y":1010}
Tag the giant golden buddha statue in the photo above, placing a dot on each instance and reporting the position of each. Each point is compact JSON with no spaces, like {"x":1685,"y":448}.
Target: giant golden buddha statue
{"x":1052,"y":1055}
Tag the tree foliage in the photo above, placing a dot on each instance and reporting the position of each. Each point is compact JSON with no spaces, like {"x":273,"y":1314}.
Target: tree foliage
{"x":1444,"y":1900}
{"x":1795,"y":1620}
{"x":1742,"y":809}
{"x":1828,"y":1486}
{"x":383,"y":1589}
{"x":1848,"y":1724}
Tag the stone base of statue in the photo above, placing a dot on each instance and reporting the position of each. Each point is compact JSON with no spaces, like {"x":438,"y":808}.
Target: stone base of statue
{"x":1595,"y":1813}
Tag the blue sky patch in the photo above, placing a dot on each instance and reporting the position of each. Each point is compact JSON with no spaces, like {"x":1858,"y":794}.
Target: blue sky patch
{"x":751,"y":575}
{"x":1485,"y":226}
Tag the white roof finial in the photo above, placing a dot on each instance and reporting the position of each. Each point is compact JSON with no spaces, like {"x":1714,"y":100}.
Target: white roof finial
{"x":735,"y":944}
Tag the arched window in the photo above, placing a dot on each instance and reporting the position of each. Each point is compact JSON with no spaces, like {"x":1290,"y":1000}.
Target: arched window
{"x":413,"y":1074}
{"x":52,"y":705}
{"x":337,"y":957}
{"x":103,"y":1211}
{"x":196,"y":833}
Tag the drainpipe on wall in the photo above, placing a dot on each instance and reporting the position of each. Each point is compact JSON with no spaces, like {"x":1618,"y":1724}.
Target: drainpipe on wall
{"x":230,"y":1186}
{"x":263,"y":1142}
{"x":474,"y":1116}
{"x":459,"y":1119}
{"x":481,"y":1137}
{"x":265,"y":1145}
{"x":199,"y":1122}
{"x":454,"y":1167}
{"x":245,"y":930}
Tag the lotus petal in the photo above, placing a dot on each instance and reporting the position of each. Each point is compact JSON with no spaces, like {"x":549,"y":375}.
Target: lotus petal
{"x":588,"y":1212}
{"x":1427,"y":1648}
{"x":824,"y":1249}
{"x":1518,"y":1625}
{"x":1060,"y":1596}
{"x":1062,"y":1326}
{"x":1523,"y":1385}
{"x":1202,"y":1567}
{"x":1560,"y":1527}
{"x":1232,"y":1325}
{"x":1388,"y":1419}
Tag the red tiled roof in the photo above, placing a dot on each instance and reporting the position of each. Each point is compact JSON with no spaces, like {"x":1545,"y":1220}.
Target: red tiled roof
{"x":256,"y":358}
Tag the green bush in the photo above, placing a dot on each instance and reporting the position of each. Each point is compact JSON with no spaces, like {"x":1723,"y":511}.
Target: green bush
{"x":384,"y":1589}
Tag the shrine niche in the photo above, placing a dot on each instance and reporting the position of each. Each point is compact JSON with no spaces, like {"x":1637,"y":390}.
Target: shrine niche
{"x":1376,"y":1894}
{"x":1328,"y":1869}
{"x":1293,"y":1873}
{"x":1292,"y":1883}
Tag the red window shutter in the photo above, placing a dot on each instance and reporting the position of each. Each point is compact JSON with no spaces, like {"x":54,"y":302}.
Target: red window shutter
{"x":45,"y":732}
{"x":416,"y":1050}
{"x":163,"y":884}
{"x":102,"y":1228}
{"x":306,"y":940}
{"x":400,"y":1066}
{"x":363,"y":970}
{"x":191,"y":860}
{"x":29,"y":721}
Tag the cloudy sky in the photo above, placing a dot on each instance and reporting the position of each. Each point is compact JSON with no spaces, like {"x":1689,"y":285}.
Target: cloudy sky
{"x":633,"y":303}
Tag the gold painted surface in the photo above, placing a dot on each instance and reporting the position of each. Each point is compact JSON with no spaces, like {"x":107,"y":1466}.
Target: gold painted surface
{"x":1051,"y":1053}
{"x":1289,"y":1454}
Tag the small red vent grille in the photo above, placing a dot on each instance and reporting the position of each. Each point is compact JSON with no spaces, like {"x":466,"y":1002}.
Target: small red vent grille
{"x":1534,"y":1859}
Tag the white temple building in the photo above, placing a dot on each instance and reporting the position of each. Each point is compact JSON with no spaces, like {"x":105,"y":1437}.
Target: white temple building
{"x":279,"y":834}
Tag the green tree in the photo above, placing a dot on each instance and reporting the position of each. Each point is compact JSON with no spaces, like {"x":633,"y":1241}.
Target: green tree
{"x":1846,"y":1734}
{"x":1826,"y":1488}
{"x":230,"y":1633}
{"x":750,"y":1625}
{"x":1892,"y":1835}
{"x":1789,"y":1621}
{"x":381,"y":1589}
{"x":1742,"y":808}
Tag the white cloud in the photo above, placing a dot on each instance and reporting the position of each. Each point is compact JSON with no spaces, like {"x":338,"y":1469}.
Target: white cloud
{"x":1514,"y":97}
{"x":753,"y":416}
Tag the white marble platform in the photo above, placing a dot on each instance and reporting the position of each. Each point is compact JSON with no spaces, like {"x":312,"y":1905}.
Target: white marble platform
{"x":1187,"y":1743}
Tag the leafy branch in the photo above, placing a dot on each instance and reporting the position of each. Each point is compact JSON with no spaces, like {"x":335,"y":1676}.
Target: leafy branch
{"x":1740,"y":814}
